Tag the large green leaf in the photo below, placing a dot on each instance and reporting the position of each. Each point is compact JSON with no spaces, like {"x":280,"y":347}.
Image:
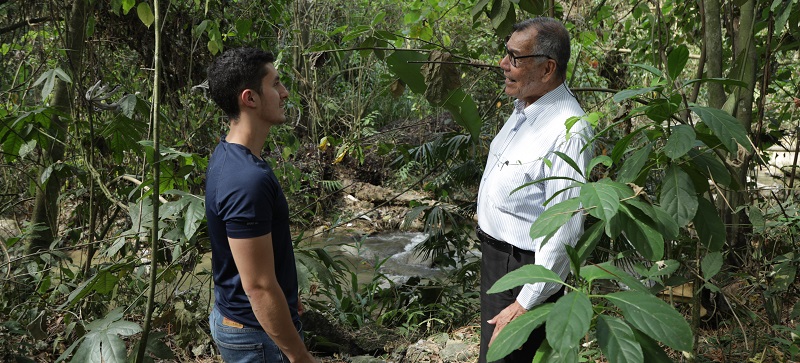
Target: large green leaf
{"x":568,"y":321}
{"x":554,"y":217}
{"x":662,"y":109}
{"x":676,"y":61}
{"x":527,"y":274}
{"x":617,"y":341}
{"x":725,"y":126}
{"x":589,"y":240}
{"x":607,"y":271}
{"x":478,"y":9}
{"x":710,"y":228}
{"x":711,"y":264}
{"x":655,"y":318}
{"x":546,"y":354}
{"x":651,"y":349}
{"x":102,"y":343}
{"x":709,"y":164}
{"x":145,"y":14}
{"x":641,"y":235}
{"x":600,"y":199}
{"x":680,"y":141}
{"x":517,"y":331}
{"x":678,"y":196}
{"x":633,"y":165}
{"x":666,"y":223}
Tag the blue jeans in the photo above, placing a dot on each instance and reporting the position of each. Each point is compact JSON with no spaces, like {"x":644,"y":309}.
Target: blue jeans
{"x":245,"y":345}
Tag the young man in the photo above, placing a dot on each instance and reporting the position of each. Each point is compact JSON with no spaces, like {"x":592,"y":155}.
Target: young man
{"x":535,"y":68}
{"x":255,"y":315}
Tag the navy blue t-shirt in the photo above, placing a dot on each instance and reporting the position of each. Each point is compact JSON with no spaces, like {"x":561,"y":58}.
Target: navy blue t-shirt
{"x":245,"y":200}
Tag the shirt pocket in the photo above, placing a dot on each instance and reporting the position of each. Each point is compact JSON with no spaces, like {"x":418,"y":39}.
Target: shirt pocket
{"x":507,"y":178}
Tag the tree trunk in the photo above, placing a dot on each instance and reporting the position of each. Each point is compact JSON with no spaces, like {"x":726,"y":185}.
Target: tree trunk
{"x":746,"y":57}
{"x":45,"y":210}
{"x":712,"y":37}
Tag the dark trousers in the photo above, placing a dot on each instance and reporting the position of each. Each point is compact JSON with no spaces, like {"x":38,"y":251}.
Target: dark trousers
{"x":495,"y":264}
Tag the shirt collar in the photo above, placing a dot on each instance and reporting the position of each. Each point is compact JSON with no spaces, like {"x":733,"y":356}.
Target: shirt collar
{"x":533,"y":110}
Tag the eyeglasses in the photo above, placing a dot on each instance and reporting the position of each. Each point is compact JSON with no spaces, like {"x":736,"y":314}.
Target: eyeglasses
{"x":513,"y":58}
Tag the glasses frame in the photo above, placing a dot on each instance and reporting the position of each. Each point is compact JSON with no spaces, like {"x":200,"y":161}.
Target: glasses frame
{"x":513,"y":58}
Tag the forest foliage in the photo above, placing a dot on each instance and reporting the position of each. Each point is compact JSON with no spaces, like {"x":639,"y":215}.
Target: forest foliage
{"x":100,"y":123}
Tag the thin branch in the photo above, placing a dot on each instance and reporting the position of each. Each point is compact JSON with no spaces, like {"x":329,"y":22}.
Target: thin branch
{"x":27,"y":22}
{"x":472,"y":63}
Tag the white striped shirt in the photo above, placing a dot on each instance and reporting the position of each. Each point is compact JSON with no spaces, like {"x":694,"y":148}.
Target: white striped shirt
{"x":516,"y":157}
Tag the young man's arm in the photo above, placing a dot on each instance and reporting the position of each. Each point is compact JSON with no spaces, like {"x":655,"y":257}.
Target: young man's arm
{"x":256,"y":263}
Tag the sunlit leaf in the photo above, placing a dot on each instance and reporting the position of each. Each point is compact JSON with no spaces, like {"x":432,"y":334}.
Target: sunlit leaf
{"x":145,"y":14}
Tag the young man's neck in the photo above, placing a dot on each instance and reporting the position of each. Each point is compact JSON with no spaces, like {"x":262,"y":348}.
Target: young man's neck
{"x":243,"y":131}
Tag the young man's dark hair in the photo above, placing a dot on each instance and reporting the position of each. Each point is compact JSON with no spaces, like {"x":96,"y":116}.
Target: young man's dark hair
{"x":233,"y":72}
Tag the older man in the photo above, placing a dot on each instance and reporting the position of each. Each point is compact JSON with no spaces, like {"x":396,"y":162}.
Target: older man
{"x":535,"y":67}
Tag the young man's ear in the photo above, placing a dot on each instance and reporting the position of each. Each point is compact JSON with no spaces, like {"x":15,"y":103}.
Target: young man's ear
{"x":247,"y":98}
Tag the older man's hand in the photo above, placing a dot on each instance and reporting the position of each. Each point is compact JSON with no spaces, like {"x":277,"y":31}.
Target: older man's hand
{"x":506,"y":316}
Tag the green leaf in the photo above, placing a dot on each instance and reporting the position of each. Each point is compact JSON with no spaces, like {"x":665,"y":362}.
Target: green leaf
{"x":709,"y":164}
{"x":724,"y":126}
{"x":516,"y":333}
{"x":602,"y":159}
{"x":127,"y":5}
{"x":554,"y":217}
{"x":608,"y":271}
{"x":546,"y":354}
{"x":643,"y":237}
{"x":589,"y":240}
{"x":666,"y":224}
{"x":195,"y":212}
{"x":105,"y":282}
{"x":49,"y":79}
{"x":653,"y":70}
{"x":527,"y":274}
{"x":678,"y":196}
{"x":478,"y":9}
{"x":534,"y":7}
{"x":660,"y":109}
{"x":102,"y":343}
{"x":145,"y":14}
{"x":617,"y":341}
{"x":630,"y":93}
{"x":680,"y":141}
{"x":651,"y":349}
{"x":655,"y":318}
{"x":756,"y":219}
{"x":676,"y":61}
{"x":711,"y":264}
{"x":710,"y":228}
{"x":600,"y":199}
{"x":499,"y":12}
{"x":633,"y":165}
{"x":569,"y":321}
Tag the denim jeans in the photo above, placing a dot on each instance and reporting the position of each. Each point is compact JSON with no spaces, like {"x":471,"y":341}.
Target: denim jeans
{"x":245,"y":345}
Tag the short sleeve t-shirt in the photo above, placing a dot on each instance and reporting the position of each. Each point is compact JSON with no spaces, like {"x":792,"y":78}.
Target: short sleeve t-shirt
{"x":245,"y":200}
